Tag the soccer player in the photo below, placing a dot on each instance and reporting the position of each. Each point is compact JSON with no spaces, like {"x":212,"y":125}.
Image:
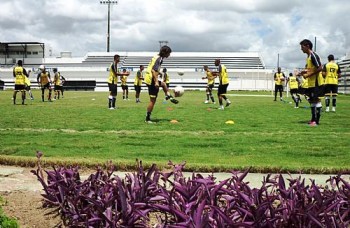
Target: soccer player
{"x":20,"y":74}
{"x":223,"y":83}
{"x":293,"y":86}
{"x":28,"y":84}
{"x":166,"y":78}
{"x":211,"y":81}
{"x":279,"y":78}
{"x":331,"y":71}
{"x":153,"y":83}
{"x":58,"y":82}
{"x":124,"y":85}
{"x":114,"y":73}
{"x":312,"y":74}
{"x":44,"y":82}
{"x":138,"y":83}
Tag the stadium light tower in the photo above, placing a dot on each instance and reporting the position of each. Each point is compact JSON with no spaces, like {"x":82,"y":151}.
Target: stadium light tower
{"x":108,"y":3}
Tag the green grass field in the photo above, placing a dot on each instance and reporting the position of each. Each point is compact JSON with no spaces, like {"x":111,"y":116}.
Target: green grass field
{"x":267,"y":136}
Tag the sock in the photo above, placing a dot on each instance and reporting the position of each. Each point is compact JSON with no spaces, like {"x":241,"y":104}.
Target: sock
{"x":42,"y":97}
{"x":207,"y":96}
{"x":113,"y":101}
{"x":327,"y":101}
{"x":318,"y":114}
{"x":313,"y":113}
{"x":212,"y":98}
{"x":334,"y":101}
{"x":110,"y":101}
{"x":148,"y":116}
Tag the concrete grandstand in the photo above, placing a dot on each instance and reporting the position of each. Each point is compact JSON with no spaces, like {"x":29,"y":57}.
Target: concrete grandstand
{"x":246,"y":69}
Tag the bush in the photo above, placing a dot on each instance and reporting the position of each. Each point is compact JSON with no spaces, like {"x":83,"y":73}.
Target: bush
{"x":105,"y":200}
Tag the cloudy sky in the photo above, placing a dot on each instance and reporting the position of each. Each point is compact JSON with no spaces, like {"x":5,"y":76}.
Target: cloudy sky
{"x":273,"y":28}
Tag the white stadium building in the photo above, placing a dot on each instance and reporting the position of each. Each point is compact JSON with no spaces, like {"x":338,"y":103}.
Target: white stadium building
{"x":246,"y":70}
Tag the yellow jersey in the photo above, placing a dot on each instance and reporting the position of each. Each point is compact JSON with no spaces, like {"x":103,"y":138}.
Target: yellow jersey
{"x":166,"y":78}
{"x":19,"y":75}
{"x":279,"y":78}
{"x":113,"y":78}
{"x":154,"y":64}
{"x":223,"y":76}
{"x":293,"y":83}
{"x":123,"y":80}
{"x":210,"y":77}
{"x":44,"y":78}
{"x":138,"y":80}
{"x":57,"y":79}
{"x":312,"y":64}
{"x":332,"y":71}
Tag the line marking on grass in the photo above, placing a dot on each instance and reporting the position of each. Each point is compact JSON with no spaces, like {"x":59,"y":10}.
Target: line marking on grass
{"x":248,"y":95}
{"x":121,"y":132}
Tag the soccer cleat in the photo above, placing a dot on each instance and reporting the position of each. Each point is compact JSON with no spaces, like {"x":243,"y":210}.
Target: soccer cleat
{"x":296,"y":107}
{"x":312,"y":124}
{"x":327,"y":109}
{"x":148,"y":121}
{"x":221,"y":108}
{"x":111,"y":108}
{"x":206,"y":102}
{"x":333,"y":109}
{"x":173,"y":100}
{"x":228,"y":103}
{"x":214,"y":102}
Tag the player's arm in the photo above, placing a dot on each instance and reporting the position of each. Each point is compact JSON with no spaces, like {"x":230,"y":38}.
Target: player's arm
{"x":139,"y":75}
{"x":38,"y":78}
{"x":155,"y":77}
{"x":324,"y":70}
{"x":339,"y":72}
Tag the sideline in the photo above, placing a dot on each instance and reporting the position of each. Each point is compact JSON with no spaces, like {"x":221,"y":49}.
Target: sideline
{"x":14,"y":178}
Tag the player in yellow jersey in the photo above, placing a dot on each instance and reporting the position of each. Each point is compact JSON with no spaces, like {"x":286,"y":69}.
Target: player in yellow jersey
{"x":223,"y":83}
{"x":279,"y":78}
{"x":331,"y":71}
{"x":28,"y":84}
{"x":138,"y":83}
{"x":153,"y":82}
{"x":166,"y":78}
{"x":44,"y":82}
{"x":293,"y":88}
{"x":58,"y":81}
{"x":211,"y":81}
{"x":125,"y":87}
{"x":114,"y":73}
{"x":20,"y":75}
{"x":312,"y":73}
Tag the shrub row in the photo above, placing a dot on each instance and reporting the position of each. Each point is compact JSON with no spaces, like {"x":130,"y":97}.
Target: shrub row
{"x":173,"y":200}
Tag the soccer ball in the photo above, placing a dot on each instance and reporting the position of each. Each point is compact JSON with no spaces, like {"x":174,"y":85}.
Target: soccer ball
{"x":179,"y":91}
{"x":41,"y":67}
{"x":180,"y":73}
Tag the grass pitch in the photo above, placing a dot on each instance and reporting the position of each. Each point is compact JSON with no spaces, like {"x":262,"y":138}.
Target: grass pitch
{"x":267,"y":136}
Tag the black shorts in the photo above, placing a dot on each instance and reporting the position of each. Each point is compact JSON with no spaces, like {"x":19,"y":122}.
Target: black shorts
{"x":113,"y":88}
{"x":315,"y":93}
{"x":294,"y":91}
{"x":137,"y":88}
{"x":125,"y":87}
{"x":20,"y":87}
{"x":279,"y":88}
{"x":58,"y":87}
{"x":331,"y":88}
{"x":222,"y":89}
{"x":302,"y":91}
{"x":46,"y":86}
{"x":153,"y":90}
{"x":210,"y":86}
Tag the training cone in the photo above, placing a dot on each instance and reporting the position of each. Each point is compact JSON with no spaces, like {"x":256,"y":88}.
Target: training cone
{"x":230,"y":122}
{"x":174,"y":121}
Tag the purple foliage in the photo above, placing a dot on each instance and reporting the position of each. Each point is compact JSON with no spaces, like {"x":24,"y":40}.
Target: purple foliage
{"x":105,"y":200}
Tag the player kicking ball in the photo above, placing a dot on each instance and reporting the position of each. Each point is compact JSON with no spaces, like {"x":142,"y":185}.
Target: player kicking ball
{"x":153,"y":83}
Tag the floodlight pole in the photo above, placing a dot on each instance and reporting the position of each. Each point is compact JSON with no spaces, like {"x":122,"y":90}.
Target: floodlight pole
{"x":108,"y":2}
